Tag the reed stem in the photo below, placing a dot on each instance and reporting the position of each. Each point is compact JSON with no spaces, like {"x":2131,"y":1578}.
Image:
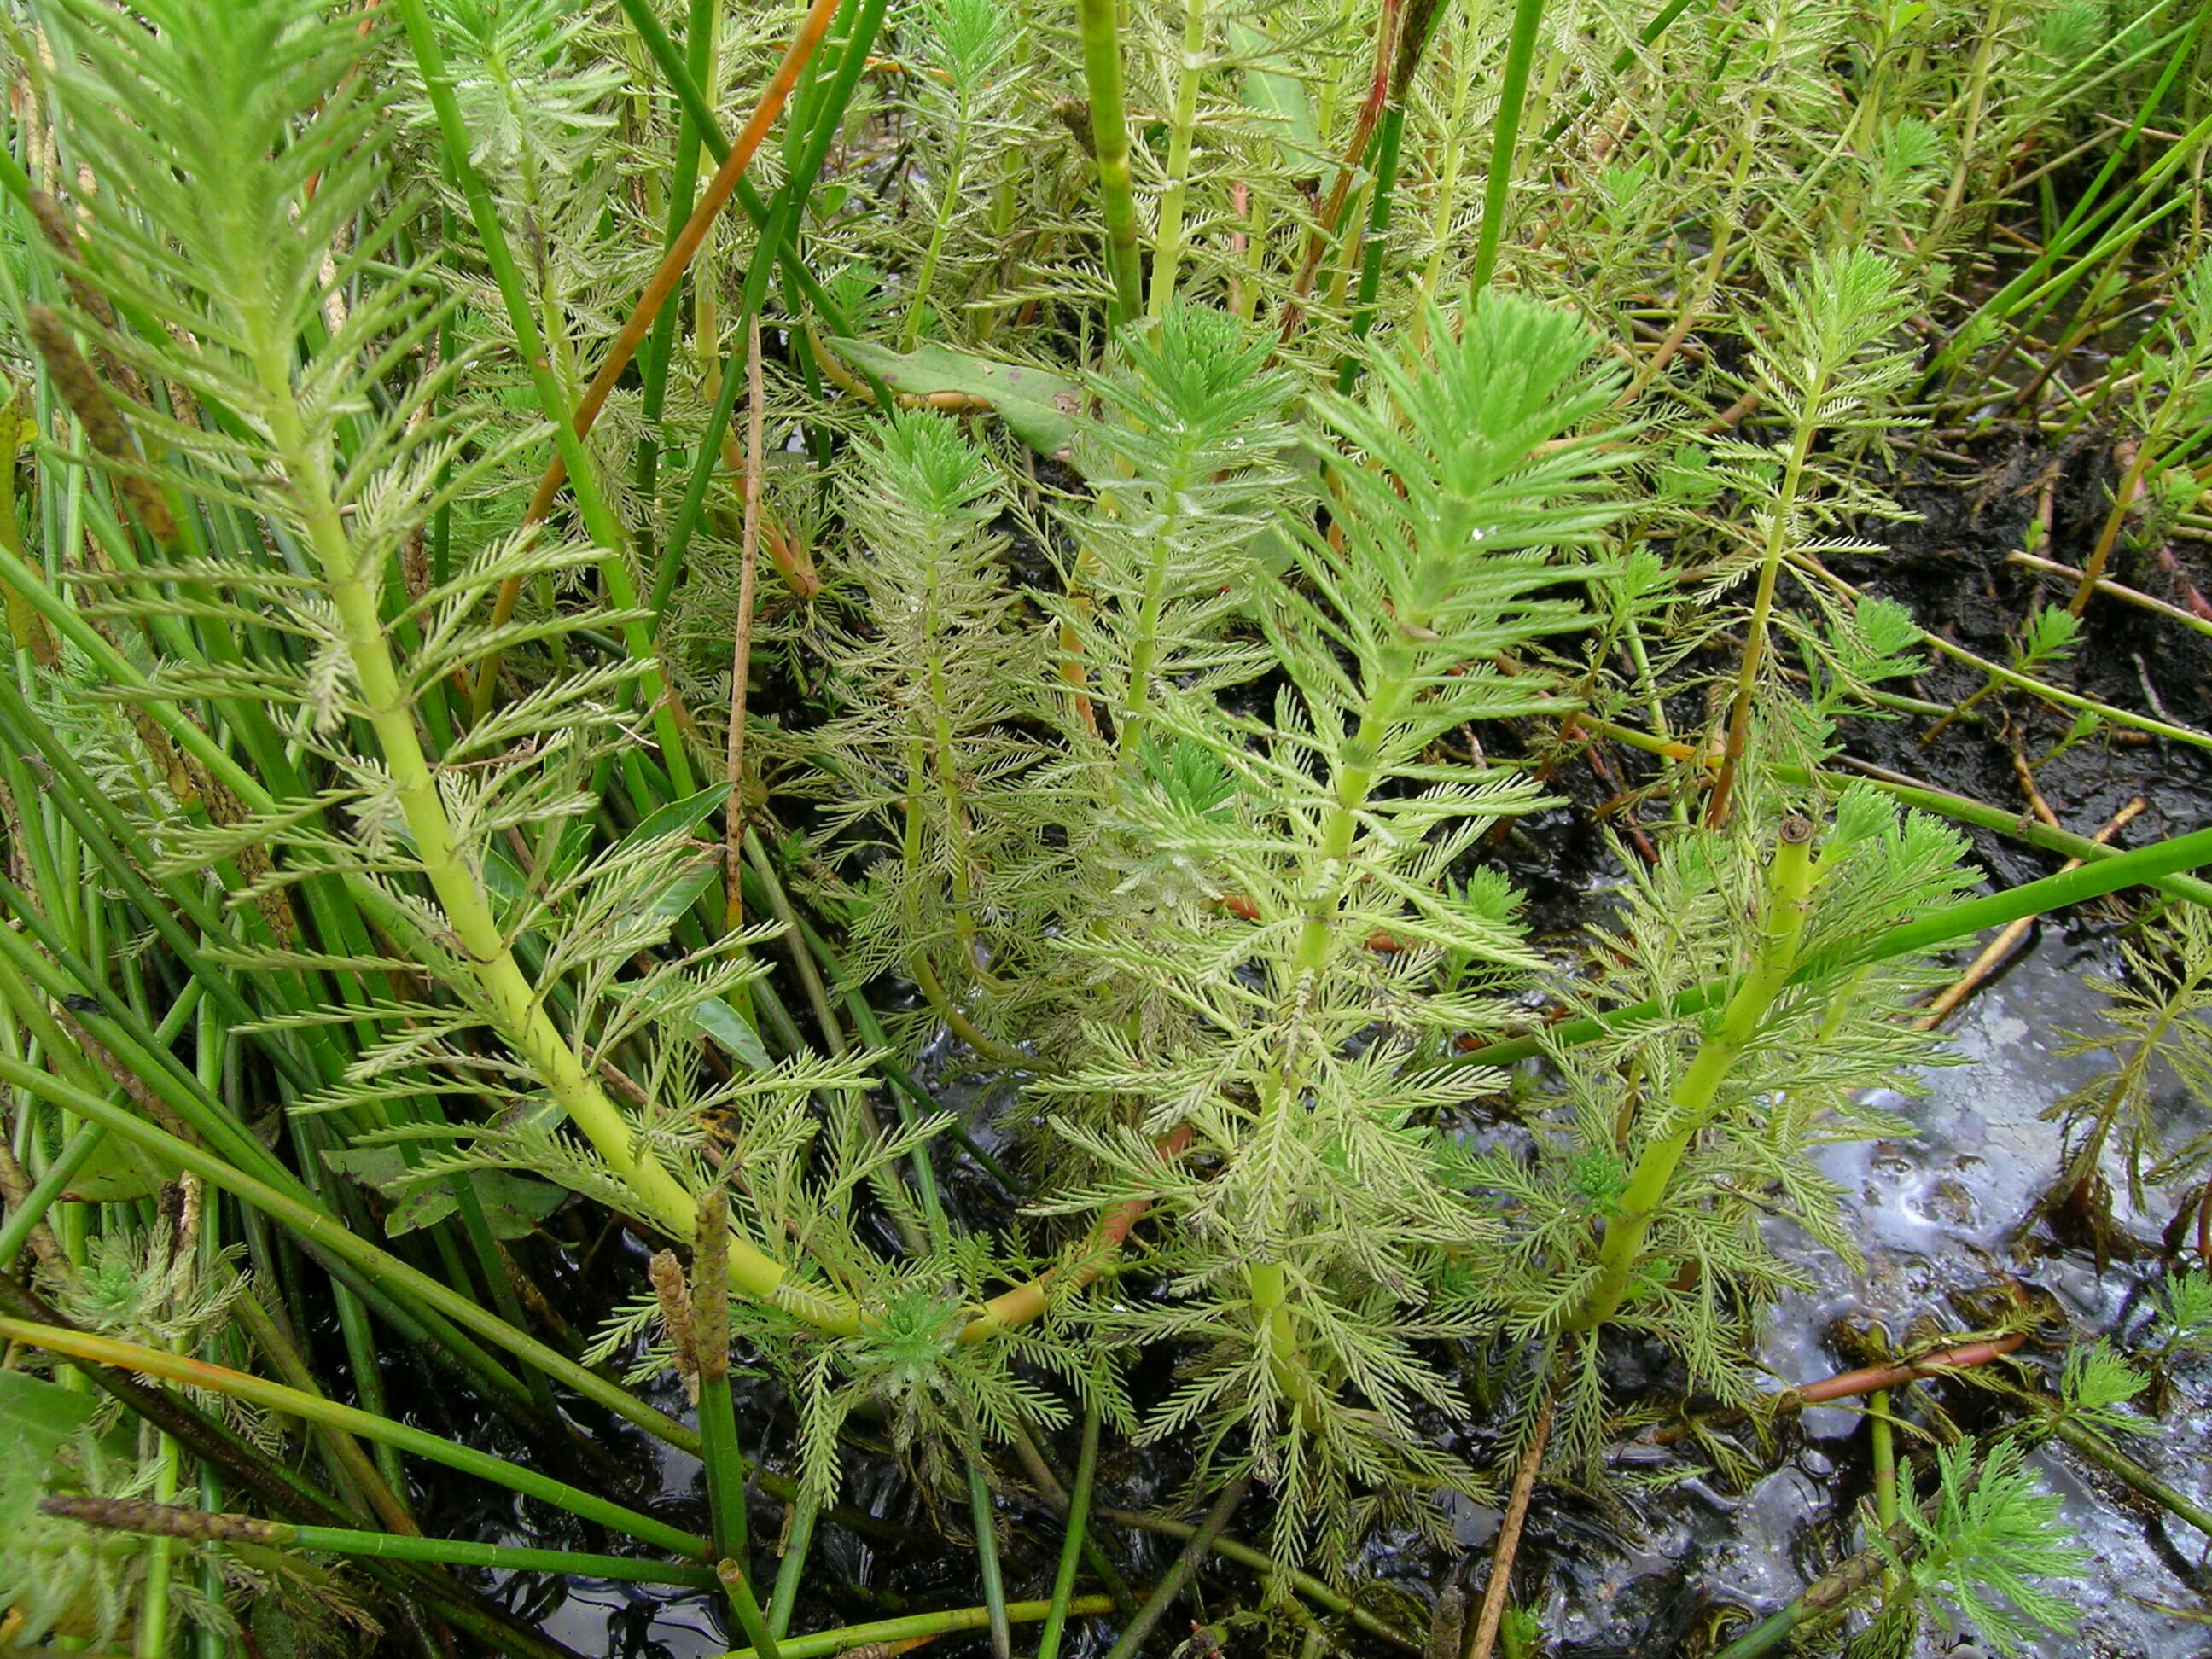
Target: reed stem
{"x":1071,"y":1546}
{"x":1504,"y":139}
{"x":1098,"y":24}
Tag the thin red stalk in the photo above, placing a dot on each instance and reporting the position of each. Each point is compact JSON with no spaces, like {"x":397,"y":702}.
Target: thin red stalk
{"x":682,"y":250}
{"x":1362,"y":132}
{"x":1027,"y":1301}
{"x":673,"y":264}
{"x":1868,"y":1379}
{"x":1873,"y":1379}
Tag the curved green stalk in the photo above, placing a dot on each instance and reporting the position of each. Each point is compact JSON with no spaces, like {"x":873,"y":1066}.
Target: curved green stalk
{"x":170,"y":1521}
{"x":1789,"y":884}
{"x":313,"y":1408}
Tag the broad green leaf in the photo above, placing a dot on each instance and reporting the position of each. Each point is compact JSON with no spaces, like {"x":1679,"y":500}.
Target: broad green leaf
{"x":372,"y":1166}
{"x":681,"y":894}
{"x":118,"y":1172}
{"x":1040,"y":407}
{"x":419,"y":1208}
{"x":512,"y":1204}
{"x":717,"y":1019}
{"x":36,"y":1416}
{"x":679,"y":816}
{"x":1273,"y":91}
{"x":515,"y":1205}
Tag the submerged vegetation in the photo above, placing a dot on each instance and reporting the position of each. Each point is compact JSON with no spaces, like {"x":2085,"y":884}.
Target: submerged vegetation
{"x":1052,"y":756}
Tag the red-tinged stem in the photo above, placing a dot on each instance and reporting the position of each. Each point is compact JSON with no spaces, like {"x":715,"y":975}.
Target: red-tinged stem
{"x":1872,"y":1379}
{"x":1025,"y":1302}
{"x":1363,"y":133}
{"x":673,"y":264}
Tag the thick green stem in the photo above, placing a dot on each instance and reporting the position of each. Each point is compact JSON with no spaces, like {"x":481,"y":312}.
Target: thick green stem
{"x":518,"y":1013}
{"x":1099,"y":24}
{"x":1788,"y":892}
{"x":717,"y":1421}
{"x":1879,"y":1426}
{"x":2131,"y":1474}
